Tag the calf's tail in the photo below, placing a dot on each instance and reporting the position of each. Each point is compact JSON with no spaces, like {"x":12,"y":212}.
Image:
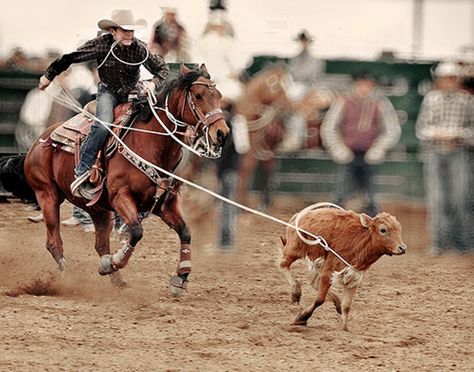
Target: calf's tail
{"x":13,"y":180}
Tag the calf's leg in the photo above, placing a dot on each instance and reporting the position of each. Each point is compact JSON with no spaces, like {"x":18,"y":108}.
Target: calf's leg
{"x":347,"y":297}
{"x":324,"y":286}
{"x":283,"y":265}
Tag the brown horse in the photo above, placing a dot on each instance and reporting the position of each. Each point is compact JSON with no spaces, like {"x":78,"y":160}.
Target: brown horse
{"x":129,"y":186}
{"x":264,"y":103}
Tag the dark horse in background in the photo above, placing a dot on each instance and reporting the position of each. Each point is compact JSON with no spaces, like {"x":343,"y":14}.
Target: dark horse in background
{"x":129,"y":186}
{"x":266,"y":105}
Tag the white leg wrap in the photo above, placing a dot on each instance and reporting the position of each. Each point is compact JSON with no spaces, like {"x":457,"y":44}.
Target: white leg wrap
{"x":121,"y":253}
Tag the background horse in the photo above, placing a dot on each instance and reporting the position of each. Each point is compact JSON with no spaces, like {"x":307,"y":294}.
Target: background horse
{"x":266,"y":106}
{"x":131,"y":186}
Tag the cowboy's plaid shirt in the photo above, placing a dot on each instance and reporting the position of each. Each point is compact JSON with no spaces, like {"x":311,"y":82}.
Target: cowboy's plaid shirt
{"x":452,"y":112}
{"x":118,"y":77}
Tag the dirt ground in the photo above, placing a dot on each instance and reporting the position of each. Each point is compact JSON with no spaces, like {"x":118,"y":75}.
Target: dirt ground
{"x":411,"y":313}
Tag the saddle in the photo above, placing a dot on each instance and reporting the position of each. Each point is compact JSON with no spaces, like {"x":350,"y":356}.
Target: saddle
{"x":69,"y":136}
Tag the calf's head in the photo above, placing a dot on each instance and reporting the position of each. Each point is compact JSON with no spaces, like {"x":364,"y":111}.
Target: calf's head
{"x":386,"y":233}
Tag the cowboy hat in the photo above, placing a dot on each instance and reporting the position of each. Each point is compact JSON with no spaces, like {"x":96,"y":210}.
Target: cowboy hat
{"x":122,"y":18}
{"x":304,"y":35}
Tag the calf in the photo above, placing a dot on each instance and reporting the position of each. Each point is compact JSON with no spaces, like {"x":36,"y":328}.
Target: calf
{"x":358,"y":238}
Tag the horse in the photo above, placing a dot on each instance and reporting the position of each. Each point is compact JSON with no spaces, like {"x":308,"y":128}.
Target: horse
{"x":266,"y":104}
{"x":130,"y":185}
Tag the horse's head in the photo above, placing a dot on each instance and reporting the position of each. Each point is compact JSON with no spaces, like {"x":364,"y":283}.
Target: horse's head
{"x":199,"y":104}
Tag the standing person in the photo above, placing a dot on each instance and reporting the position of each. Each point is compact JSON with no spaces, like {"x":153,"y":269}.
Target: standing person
{"x":119,"y":56}
{"x":218,"y":49}
{"x":169,"y":38}
{"x":357,"y":132}
{"x":445,"y":126}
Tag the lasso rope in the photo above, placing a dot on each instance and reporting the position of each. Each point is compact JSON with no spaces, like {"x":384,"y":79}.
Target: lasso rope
{"x":111,"y":51}
{"x":317,"y":239}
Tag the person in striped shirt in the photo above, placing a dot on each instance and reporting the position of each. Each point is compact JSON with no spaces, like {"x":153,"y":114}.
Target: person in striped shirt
{"x":445,"y":126}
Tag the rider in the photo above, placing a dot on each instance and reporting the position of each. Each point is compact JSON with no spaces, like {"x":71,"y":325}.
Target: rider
{"x":119,"y":56}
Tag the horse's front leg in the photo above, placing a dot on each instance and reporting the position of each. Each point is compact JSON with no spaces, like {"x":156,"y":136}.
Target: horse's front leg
{"x":171,"y":214}
{"x":125,"y":206}
{"x":103,"y":223}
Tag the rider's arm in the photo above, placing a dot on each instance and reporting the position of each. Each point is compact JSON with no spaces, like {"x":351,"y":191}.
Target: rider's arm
{"x":89,"y":51}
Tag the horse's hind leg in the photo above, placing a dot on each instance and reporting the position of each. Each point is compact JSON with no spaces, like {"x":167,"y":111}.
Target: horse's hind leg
{"x":50,"y":202}
{"x":170,"y":213}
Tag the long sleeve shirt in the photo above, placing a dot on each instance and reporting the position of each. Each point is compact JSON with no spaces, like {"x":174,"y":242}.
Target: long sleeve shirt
{"x":120,"y":78}
{"x":361,"y":124}
{"x":446,"y":114}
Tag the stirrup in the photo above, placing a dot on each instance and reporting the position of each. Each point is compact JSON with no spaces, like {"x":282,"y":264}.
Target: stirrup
{"x":75,"y":185}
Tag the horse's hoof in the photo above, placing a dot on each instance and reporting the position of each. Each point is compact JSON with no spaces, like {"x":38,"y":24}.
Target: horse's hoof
{"x":106,"y":266}
{"x":117,"y":280}
{"x":62,"y":265}
{"x":177,"y":285}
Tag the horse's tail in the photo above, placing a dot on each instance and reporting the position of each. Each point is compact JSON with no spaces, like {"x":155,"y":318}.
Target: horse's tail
{"x":13,"y":180}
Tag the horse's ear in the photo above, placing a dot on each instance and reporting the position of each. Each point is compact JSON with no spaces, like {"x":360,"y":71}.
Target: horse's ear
{"x":204,"y":68}
{"x":184,"y":69}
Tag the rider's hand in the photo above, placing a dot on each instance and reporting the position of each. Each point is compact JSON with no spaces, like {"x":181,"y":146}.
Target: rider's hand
{"x":43,"y":83}
{"x":147,"y":86}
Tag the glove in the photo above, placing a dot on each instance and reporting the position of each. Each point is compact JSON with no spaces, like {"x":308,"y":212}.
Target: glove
{"x":374,"y":156}
{"x":343,"y":155}
{"x":43,"y":83}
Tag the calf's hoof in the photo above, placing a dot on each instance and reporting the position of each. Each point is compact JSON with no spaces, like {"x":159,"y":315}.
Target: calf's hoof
{"x":300,"y":322}
{"x":295,"y":298}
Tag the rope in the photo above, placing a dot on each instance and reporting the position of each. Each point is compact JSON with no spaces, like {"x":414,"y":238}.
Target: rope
{"x":317,"y":239}
{"x":111,"y":51}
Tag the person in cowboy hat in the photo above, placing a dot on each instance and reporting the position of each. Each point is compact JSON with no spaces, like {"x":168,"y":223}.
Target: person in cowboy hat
{"x":119,"y":56}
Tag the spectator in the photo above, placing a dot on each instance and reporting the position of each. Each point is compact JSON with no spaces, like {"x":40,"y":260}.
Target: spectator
{"x":357,"y":131}
{"x":218,"y":49}
{"x":305,"y":70}
{"x":222,"y":55}
{"x":304,"y":67}
{"x":445,"y":126}
{"x":169,"y":38}
{"x":79,"y":217}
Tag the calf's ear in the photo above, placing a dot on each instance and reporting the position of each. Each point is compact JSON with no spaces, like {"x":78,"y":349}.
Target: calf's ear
{"x":365,"y":219}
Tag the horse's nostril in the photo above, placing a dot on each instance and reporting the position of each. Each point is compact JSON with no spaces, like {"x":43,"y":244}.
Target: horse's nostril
{"x":221,"y":137}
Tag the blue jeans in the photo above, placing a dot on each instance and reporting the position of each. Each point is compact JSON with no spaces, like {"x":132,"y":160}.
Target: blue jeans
{"x":228,"y":212}
{"x":106,"y":103}
{"x":448,"y":179}
{"x":81,"y":215}
{"x":356,"y":176}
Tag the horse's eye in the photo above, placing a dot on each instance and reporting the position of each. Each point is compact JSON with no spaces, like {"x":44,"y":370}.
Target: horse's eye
{"x":198,"y":96}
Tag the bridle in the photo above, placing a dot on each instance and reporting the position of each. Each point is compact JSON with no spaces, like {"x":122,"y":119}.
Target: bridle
{"x":201,"y":142}
{"x":203,"y":120}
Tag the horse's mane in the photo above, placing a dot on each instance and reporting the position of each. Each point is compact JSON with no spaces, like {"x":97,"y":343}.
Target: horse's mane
{"x":181,"y":82}
{"x":172,"y":82}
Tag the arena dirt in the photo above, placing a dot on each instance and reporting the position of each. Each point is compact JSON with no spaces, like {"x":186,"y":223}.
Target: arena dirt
{"x":411,"y":313}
